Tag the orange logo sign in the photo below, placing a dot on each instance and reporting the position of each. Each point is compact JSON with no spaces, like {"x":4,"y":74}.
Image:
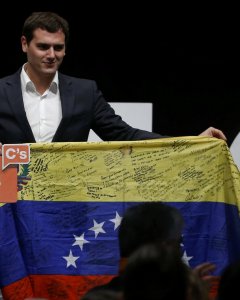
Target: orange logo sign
{"x":11,"y":154}
{"x":15,"y":154}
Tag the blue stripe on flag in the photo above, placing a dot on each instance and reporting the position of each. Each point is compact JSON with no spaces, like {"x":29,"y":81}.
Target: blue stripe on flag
{"x":81,"y":238}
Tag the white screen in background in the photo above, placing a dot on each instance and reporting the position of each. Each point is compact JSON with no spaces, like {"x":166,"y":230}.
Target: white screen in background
{"x":235,"y":150}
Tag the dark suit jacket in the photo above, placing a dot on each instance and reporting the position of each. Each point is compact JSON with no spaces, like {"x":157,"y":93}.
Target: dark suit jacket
{"x":83,"y":108}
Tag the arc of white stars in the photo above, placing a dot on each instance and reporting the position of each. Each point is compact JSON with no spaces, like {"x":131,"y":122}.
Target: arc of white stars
{"x":117,"y":221}
{"x":71,"y":260}
{"x":186,"y":258}
{"x":97,"y":228}
{"x":80,"y":241}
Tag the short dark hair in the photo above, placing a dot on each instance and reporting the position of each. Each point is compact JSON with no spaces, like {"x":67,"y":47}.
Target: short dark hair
{"x":156,"y":271}
{"x":46,"y":20}
{"x":149,"y":222}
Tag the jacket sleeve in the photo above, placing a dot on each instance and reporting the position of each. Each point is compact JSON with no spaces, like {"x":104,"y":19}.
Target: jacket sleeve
{"x":110,"y":127}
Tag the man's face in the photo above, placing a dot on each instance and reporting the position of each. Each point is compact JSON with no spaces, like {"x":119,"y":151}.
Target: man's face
{"x":45,"y":51}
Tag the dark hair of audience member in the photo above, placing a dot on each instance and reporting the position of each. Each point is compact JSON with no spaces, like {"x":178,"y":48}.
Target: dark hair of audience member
{"x":148,"y":223}
{"x":157,"y":272}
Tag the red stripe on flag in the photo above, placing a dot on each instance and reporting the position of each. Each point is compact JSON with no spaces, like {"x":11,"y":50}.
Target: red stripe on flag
{"x":213,"y":289}
{"x":53,"y":287}
{"x":20,"y":290}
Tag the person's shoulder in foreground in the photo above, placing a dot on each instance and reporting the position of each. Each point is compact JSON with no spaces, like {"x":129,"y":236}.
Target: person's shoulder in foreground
{"x":229,"y":280}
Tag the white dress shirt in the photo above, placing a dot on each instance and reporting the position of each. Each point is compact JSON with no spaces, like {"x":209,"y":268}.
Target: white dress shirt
{"x":44,"y":112}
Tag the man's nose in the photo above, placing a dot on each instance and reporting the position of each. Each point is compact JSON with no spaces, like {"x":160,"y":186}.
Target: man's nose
{"x":51,"y":52}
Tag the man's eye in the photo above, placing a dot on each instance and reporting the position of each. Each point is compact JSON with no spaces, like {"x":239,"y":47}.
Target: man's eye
{"x":58,"y":47}
{"x":43,"y":47}
{"x":55,"y":47}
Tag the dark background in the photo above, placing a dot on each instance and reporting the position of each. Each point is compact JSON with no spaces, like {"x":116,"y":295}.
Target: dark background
{"x":185,"y":61}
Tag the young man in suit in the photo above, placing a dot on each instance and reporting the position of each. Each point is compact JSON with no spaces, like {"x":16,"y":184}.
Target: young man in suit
{"x":40,"y":104}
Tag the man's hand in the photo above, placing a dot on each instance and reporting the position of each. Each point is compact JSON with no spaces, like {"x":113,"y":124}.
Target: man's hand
{"x":214,"y":132}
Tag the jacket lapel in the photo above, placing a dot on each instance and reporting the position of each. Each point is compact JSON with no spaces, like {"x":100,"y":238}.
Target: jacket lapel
{"x":67,"y":101}
{"x":15,"y":99}
{"x":14,"y":96}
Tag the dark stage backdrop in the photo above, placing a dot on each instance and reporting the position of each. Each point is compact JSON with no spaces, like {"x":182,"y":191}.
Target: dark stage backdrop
{"x":186,"y":63}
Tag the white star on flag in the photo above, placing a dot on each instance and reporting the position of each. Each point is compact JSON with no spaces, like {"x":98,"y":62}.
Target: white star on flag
{"x":181,"y":244}
{"x":117,"y":220}
{"x":186,"y":258}
{"x":71,"y":259}
{"x":97,"y":228}
{"x":79,"y":241}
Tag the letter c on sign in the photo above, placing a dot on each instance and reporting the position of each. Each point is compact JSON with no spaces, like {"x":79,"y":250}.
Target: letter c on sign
{"x":8,"y":153}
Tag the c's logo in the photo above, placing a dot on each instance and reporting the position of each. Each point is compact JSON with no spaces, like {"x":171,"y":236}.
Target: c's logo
{"x":15,"y":154}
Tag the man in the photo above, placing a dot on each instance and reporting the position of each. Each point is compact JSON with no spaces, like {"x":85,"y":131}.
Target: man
{"x":39,"y":104}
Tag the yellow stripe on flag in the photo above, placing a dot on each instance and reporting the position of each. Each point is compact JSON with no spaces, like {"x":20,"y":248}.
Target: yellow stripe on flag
{"x":170,"y":169}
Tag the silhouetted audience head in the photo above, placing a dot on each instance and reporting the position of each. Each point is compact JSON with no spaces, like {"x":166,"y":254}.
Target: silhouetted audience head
{"x":148,"y":223}
{"x":157,"y":272}
{"x":228,"y":288}
{"x":149,"y":242}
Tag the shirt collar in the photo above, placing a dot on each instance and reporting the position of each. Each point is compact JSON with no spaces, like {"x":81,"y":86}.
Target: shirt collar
{"x":28,"y":85}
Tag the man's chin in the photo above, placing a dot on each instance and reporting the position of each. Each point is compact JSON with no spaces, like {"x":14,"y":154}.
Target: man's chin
{"x":50,"y":71}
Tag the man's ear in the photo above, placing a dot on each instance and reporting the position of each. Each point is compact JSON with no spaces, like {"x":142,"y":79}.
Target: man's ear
{"x":24,"y":43}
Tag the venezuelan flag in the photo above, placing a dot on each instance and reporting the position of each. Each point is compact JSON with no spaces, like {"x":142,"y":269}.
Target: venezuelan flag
{"x":61,"y":237}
